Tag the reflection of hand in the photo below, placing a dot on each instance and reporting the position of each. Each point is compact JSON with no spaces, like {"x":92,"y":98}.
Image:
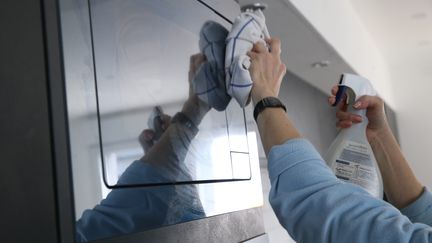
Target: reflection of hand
{"x":195,"y":62}
{"x":194,"y":108}
{"x":149,"y":137}
{"x":375,"y":113}
{"x":266,"y":69}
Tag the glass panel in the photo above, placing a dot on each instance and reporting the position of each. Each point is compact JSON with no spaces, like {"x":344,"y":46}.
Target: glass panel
{"x":146,"y":56}
{"x":140,"y":61}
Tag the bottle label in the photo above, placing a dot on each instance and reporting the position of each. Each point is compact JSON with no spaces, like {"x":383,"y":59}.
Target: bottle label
{"x":355,"y":165}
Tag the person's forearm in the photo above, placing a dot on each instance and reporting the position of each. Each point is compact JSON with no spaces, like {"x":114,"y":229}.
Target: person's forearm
{"x":400,"y":184}
{"x":275,"y":128}
{"x":195,"y":109}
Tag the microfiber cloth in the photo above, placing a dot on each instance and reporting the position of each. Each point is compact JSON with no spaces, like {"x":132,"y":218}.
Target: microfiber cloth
{"x":248,"y":28}
{"x":209,"y":81}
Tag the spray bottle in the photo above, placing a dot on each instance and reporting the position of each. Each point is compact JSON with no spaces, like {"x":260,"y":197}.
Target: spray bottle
{"x":350,"y":156}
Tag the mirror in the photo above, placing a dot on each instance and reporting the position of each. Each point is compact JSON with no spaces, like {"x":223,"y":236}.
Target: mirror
{"x":147,"y":125}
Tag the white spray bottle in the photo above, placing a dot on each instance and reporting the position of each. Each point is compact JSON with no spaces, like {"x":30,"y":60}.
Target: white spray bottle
{"x":350,"y":156}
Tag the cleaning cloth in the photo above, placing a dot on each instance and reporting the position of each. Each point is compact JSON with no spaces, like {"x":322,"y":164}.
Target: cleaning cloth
{"x":248,"y":28}
{"x":209,"y":81}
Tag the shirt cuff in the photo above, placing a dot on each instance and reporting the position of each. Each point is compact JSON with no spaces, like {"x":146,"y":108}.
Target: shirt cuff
{"x":288,"y":154}
{"x":421,"y":209}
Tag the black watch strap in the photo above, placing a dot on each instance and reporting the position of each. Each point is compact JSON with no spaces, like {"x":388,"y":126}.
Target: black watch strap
{"x":181,"y":118}
{"x":267,"y":102}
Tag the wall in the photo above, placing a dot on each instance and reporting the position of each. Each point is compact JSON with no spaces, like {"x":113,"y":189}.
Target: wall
{"x":340,"y":26}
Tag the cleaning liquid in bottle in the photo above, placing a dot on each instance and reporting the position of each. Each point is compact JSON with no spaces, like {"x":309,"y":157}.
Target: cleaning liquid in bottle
{"x":350,"y":156}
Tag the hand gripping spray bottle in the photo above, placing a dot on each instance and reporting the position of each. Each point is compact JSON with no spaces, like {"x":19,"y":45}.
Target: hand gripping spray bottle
{"x":350,"y":156}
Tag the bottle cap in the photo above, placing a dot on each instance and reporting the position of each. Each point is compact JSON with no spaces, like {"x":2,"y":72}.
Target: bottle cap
{"x":354,"y":87}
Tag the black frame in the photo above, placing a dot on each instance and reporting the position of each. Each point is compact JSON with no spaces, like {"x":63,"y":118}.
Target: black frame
{"x":101,"y":149}
{"x":38,"y":199}
{"x":35,"y":173}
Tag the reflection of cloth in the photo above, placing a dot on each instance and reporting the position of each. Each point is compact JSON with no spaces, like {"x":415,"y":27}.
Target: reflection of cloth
{"x":132,"y":210}
{"x":314,"y":206}
{"x":209,"y":82}
{"x":248,"y":28}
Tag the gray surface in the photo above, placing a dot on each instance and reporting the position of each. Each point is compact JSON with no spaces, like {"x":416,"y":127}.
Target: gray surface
{"x":221,"y":197}
{"x":233,"y":227}
{"x":259,"y":239}
{"x":26,"y":169}
{"x":308,"y":109}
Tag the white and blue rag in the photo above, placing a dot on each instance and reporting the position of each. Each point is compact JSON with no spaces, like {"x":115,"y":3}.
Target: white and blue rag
{"x":248,"y":28}
{"x":209,"y":82}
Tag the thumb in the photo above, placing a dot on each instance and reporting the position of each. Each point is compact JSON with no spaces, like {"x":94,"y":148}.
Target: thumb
{"x":368,"y":102}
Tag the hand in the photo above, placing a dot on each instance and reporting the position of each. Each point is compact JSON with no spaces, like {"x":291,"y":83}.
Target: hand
{"x":149,"y":137}
{"x":375,"y":113}
{"x":195,"y":62}
{"x":194,"y":108}
{"x":267,"y":70}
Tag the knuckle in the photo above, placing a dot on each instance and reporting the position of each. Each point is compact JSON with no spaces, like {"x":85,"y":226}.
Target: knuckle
{"x":276,"y":40}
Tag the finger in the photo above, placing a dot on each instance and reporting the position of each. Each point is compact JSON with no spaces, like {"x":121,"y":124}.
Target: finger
{"x":335,"y":89}
{"x":366,"y":101}
{"x":275,"y":46}
{"x":165,"y":121}
{"x":252,"y":55}
{"x":259,"y":48}
{"x":342,"y":105}
{"x":146,"y":139}
{"x":196,"y":59}
{"x":342,"y":115}
{"x":344,"y":124}
{"x":331,"y":100}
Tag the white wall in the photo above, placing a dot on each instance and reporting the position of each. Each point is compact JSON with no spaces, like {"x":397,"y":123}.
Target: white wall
{"x":360,"y":42}
{"x":340,"y":26}
{"x":414,"y":121}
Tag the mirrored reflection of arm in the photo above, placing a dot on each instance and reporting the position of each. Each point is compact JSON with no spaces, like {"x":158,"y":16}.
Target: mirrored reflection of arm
{"x":136,"y":209}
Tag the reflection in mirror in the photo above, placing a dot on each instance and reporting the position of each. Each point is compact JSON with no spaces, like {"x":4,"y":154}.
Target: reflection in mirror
{"x":146,"y":64}
{"x":163,"y":120}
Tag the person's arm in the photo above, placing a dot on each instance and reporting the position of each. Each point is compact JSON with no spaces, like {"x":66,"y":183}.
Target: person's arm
{"x":309,"y":201}
{"x":401,"y":186}
{"x":272,"y":123}
{"x":314,"y":206}
{"x":136,"y":209}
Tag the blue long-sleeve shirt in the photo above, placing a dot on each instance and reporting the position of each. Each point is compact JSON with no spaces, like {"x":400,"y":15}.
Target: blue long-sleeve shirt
{"x":314,"y":206}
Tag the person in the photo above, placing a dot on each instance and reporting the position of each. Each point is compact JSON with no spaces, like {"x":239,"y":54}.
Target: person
{"x":309,"y":201}
{"x":135,"y":209}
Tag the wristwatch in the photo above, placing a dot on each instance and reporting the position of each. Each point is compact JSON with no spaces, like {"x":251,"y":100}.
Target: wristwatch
{"x":181,"y":118}
{"x":267,"y":102}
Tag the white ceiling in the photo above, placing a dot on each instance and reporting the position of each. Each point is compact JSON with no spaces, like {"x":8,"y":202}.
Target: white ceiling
{"x":302,"y":45}
{"x":402,"y":29}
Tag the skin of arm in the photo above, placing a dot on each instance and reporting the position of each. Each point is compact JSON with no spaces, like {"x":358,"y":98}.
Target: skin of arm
{"x":400,"y":184}
{"x":267,"y":72}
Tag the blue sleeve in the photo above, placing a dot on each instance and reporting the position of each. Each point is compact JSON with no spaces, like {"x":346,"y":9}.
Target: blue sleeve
{"x":420,"y":211}
{"x":137,"y":209}
{"x":127,"y":210}
{"x":314,"y":206}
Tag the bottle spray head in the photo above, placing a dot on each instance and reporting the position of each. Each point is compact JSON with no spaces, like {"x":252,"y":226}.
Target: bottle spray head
{"x":354,"y":87}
